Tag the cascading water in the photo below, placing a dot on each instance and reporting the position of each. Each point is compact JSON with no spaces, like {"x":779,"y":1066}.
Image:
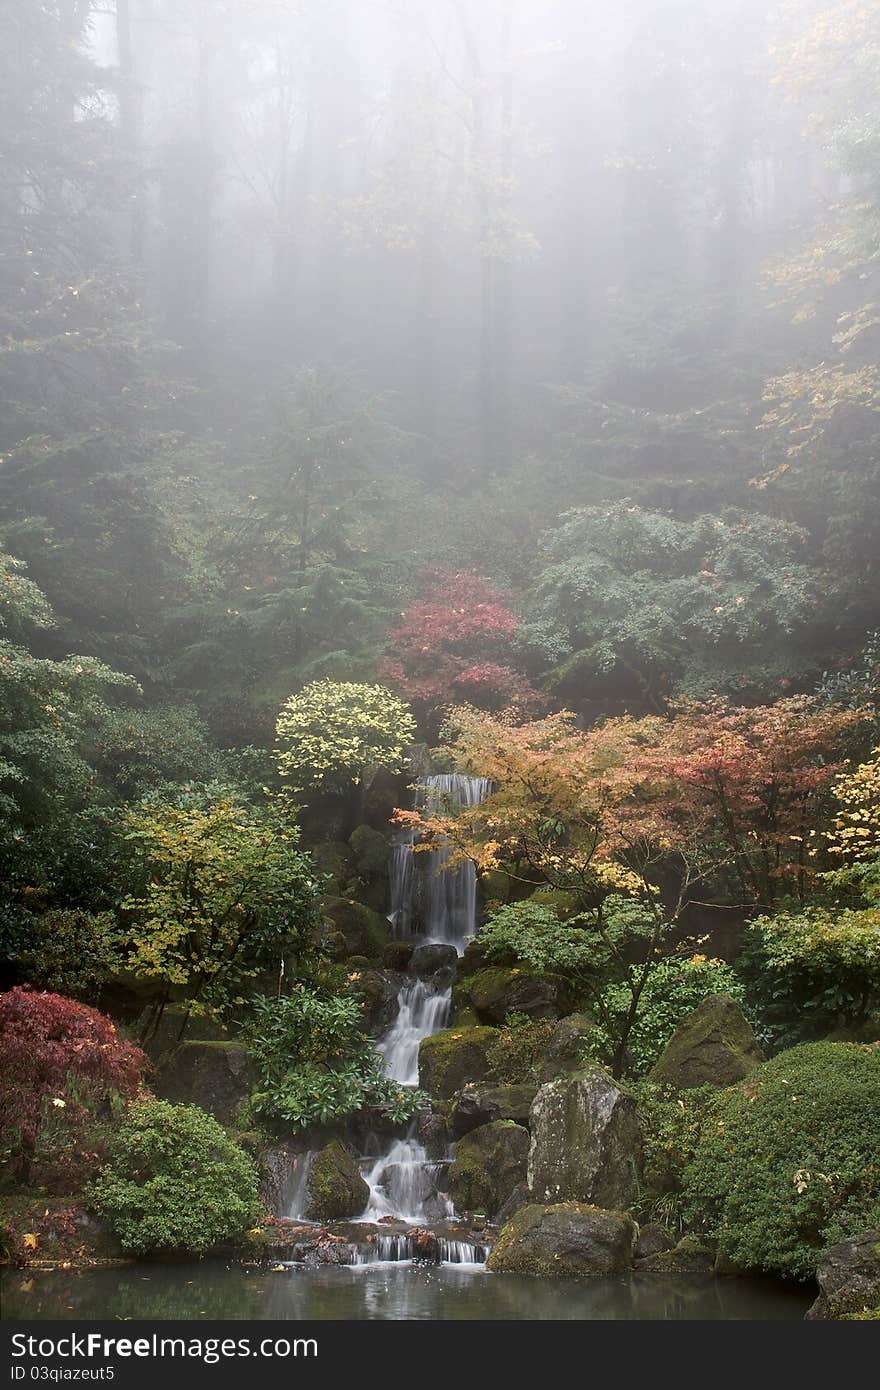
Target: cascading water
{"x":430,"y":904}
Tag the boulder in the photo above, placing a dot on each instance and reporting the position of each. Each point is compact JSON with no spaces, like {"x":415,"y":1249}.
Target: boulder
{"x":519,"y":1197}
{"x":489,"y":1163}
{"x":433,"y":1133}
{"x":369,"y":849}
{"x":586,"y":1142}
{"x":427,"y":960}
{"x":379,"y":990}
{"x":568,"y":1240}
{"x":216,"y":1076}
{"x":849,"y":1278}
{"x":563,"y":1051}
{"x":449,"y":1059}
{"x":382,"y":795}
{"x":480,"y":1105}
{"x":712,"y":1046}
{"x":496,"y":991}
{"x":653,"y":1240}
{"x":334,"y":858}
{"x":336,"y":1190}
{"x":325,"y":818}
{"x":364,"y":932}
{"x":397,"y":955}
{"x":689,"y":1256}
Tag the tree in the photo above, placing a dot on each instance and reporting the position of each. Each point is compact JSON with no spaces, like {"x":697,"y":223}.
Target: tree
{"x":333,"y":733}
{"x":226,"y":893}
{"x":62,"y":1055}
{"x":450,"y":644}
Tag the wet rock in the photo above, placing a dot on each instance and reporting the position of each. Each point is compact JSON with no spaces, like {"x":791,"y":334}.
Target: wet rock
{"x":653,"y":1240}
{"x":568,"y":1240}
{"x":427,"y":960}
{"x":379,"y":991}
{"x":433,"y":1133}
{"x":689,"y":1256}
{"x":519,"y":1197}
{"x":369,"y":849}
{"x":364,"y":932}
{"x":586,"y":1142}
{"x":497,"y":991}
{"x":216,"y":1076}
{"x":563,"y":1051}
{"x":397,"y":955}
{"x":480,"y":1105}
{"x":333,"y":857}
{"x":849,"y":1278}
{"x":489,"y":1163}
{"x":336,"y":1189}
{"x":449,"y":1059}
{"x":383,"y":794}
{"x":712,"y":1046}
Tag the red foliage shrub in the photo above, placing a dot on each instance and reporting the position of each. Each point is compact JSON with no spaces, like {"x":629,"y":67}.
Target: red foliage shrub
{"x":57,"y":1057}
{"x":446,"y":648}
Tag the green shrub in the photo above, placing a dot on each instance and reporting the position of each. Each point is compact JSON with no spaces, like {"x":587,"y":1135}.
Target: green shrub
{"x":515,"y":1055}
{"x":810,"y":972}
{"x":331,"y":733}
{"x":787,"y":1162}
{"x":674,"y":987}
{"x":71,"y":952}
{"x":175,"y":1181}
{"x":671,"y":1125}
{"x":316,"y":1064}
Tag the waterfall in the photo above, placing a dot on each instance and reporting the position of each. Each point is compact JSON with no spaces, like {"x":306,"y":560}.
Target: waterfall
{"x":296,"y":1192}
{"x":433,"y":905}
{"x":421,"y":1012}
{"x":427,"y":900}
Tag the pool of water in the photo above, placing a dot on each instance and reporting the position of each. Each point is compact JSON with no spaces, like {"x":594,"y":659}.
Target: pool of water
{"x":215,"y":1290}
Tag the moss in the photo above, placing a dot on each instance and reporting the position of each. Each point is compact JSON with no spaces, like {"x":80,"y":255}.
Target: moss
{"x":449,"y":1059}
{"x":336,"y":1189}
{"x":495,"y":991}
{"x":712,"y":1045}
{"x":365,"y":932}
{"x":489,"y":1163}
{"x":564,"y":1240}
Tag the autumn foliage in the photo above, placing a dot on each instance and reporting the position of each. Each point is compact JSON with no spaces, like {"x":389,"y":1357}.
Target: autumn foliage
{"x":58,"y":1058}
{"x":451,"y":647}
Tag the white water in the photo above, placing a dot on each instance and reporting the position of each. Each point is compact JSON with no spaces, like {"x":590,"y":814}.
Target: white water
{"x":421,"y":1011}
{"x":297,"y":1194}
{"x":396,"y":1249}
{"x":436,"y":905}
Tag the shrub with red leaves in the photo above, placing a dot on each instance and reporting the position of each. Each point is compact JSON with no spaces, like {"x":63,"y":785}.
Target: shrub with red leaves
{"x":58,"y":1058}
{"x":447,"y":647}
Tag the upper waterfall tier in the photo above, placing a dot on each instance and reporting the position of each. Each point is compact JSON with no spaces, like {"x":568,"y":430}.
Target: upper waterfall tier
{"x":427,"y":899}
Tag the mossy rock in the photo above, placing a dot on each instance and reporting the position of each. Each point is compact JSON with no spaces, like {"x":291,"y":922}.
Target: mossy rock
{"x":216,"y":1076}
{"x":563,"y":1052}
{"x":496,"y":991}
{"x":712,"y":1046}
{"x":379,"y":990}
{"x":334,"y":858}
{"x":849,"y":1279}
{"x":369,"y":849}
{"x":481,"y":1105}
{"x":490,"y":1162}
{"x":36,"y":1228}
{"x":397,"y":955}
{"x":587,"y":1143}
{"x":325,"y":818}
{"x":689,"y":1256}
{"x":365,"y":932}
{"x":449,"y":1059}
{"x":337,"y":1192}
{"x":568,"y":1240}
{"x":167,"y":1033}
{"x":472,"y":959}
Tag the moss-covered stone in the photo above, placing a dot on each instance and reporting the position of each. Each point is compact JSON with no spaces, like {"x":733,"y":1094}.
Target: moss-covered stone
{"x":568,"y":1240}
{"x":689,"y":1256}
{"x":379,"y":991}
{"x":334,"y":858}
{"x":46,"y":1231}
{"x":586,"y":1141}
{"x":489,"y":1163}
{"x":849,"y":1279}
{"x":160,"y":1036}
{"x":397,"y":955}
{"x":712,"y":1046}
{"x":480,"y":1105}
{"x":563,"y":1052}
{"x":369,"y":849}
{"x":336,"y":1190}
{"x":449,"y":1059}
{"x":496,"y":991}
{"x":216,"y":1076}
{"x":364,"y":931}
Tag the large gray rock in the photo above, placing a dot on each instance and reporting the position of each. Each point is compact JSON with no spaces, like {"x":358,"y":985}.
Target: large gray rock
{"x":489,"y":1164}
{"x":216,"y":1076}
{"x":563,"y":1051}
{"x":586,"y":1142}
{"x":379,"y":991}
{"x":712,"y":1046}
{"x":849,"y":1278}
{"x":434,"y":956}
{"x":336,"y":1190}
{"x":496,"y":991}
{"x":568,"y":1240}
{"x":480,"y":1105}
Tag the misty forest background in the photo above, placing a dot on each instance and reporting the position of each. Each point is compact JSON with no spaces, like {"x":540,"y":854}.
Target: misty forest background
{"x":307,"y":308}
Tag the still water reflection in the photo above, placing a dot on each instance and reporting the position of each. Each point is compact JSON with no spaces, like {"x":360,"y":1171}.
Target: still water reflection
{"x":215,"y":1290}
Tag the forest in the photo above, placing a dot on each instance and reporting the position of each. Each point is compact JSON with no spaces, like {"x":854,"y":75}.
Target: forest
{"x":440,"y":657}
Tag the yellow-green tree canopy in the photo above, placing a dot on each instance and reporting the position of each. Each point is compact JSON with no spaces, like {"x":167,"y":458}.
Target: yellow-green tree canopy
{"x":332,"y":732}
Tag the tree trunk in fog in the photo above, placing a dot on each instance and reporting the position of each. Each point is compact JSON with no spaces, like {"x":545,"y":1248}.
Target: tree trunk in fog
{"x":129,"y":98}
